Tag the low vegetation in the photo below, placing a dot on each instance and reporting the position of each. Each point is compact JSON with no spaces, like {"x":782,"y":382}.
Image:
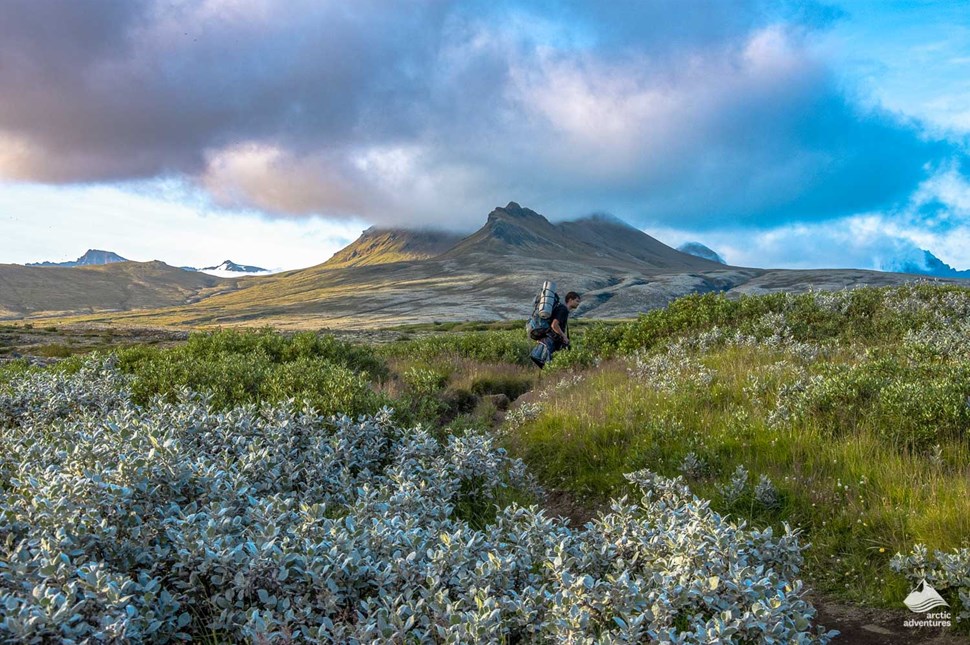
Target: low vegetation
{"x":179,"y":521}
{"x":845,"y":415}
{"x":494,"y":346}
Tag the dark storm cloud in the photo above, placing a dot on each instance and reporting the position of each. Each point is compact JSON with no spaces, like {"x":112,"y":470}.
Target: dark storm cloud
{"x":433,"y":112}
{"x":120,"y":90}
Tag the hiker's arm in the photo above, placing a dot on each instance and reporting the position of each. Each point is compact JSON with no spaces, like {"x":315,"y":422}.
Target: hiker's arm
{"x":556,"y":328}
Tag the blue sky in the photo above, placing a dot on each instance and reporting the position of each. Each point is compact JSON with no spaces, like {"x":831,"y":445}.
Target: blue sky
{"x":787,"y":134}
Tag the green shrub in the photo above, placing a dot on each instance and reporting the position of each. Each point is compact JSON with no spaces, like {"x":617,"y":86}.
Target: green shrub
{"x":424,"y":380}
{"x":422,"y":401}
{"x":54,"y":350}
{"x":912,"y":405}
{"x":511,"y":386}
{"x":329,"y":388}
{"x":231,"y":379}
{"x":578,"y":357}
{"x":259,"y":367}
{"x":11,"y":370}
{"x":920,"y":413}
{"x":486,"y":346}
{"x":280,"y":349}
{"x":597,"y":339}
{"x":684,"y":314}
{"x":858,"y":314}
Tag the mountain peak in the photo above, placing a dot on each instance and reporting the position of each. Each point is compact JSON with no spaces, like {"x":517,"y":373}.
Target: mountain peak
{"x":699,"y":250}
{"x":90,"y":257}
{"x":606,"y":219}
{"x":923,"y":262}
{"x":513,"y":227}
{"x":513,"y":211}
{"x":385,"y":245}
{"x":514,"y":233}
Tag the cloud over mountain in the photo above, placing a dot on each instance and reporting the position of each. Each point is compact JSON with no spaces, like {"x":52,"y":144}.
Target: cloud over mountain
{"x":414,"y":113}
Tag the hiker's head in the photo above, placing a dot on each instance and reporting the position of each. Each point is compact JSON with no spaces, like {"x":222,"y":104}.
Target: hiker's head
{"x":572,"y":300}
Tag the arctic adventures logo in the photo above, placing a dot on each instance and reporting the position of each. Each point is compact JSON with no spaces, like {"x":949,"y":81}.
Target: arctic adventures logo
{"x":923,"y":599}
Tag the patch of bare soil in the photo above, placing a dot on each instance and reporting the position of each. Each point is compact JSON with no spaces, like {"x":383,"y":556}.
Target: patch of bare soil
{"x":867,"y":626}
{"x":563,"y":504}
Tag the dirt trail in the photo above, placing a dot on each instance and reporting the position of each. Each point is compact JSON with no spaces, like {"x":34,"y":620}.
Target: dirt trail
{"x":867,"y":626}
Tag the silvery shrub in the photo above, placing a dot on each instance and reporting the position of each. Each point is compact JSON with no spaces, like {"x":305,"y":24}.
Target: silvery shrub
{"x":175,"y":522}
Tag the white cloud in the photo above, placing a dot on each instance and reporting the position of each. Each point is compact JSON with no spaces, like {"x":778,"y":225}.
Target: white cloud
{"x":866,"y":240}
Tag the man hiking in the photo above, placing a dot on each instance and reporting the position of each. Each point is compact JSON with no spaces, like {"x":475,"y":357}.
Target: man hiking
{"x":558,"y":336}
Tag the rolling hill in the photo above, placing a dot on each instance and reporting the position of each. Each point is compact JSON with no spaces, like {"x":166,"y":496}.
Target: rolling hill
{"x":100,"y":288}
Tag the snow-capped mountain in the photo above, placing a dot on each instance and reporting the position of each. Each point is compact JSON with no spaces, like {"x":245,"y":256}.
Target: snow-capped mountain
{"x":229,"y":265}
{"x":230,"y":269}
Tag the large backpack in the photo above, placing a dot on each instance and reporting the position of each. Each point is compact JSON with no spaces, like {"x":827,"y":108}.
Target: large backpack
{"x":539,"y":323}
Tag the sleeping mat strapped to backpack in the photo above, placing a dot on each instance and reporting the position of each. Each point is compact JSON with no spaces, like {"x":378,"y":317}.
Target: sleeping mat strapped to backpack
{"x":539,"y":323}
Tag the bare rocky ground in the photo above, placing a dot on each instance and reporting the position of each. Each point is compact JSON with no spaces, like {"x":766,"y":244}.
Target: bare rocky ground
{"x":41,"y":345}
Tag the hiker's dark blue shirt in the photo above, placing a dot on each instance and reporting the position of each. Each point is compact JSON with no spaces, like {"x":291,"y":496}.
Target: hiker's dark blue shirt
{"x":561,"y":313}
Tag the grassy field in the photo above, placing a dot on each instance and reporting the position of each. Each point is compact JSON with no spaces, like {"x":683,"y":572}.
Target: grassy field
{"x":845,"y":415}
